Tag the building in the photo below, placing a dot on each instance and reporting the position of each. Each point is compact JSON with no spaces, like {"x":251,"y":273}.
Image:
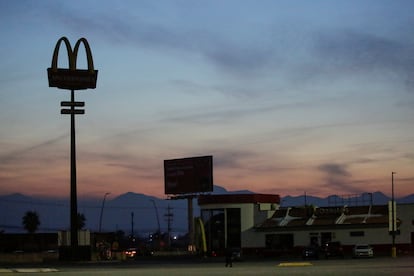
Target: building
{"x":229,"y":220}
{"x":258,"y":225}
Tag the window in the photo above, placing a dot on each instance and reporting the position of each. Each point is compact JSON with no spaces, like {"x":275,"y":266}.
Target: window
{"x":357,"y":233}
{"x":214,"y":227}
{"x":219,"y":221}
{"x":233,"y":227}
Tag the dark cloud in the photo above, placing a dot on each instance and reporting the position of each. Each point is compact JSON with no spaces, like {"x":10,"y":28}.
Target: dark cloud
{"x":230,"y":114}
{"x":145,"y":171}
{"x":357,"y":51}
{"x":338,"y":179}
{"x":409,"y":156}
{"x":334,"y":170}
{"x":247,"y":161}
{"x":234,"y":58}
{"x":232,"y":159}
{"x":406,"y":179}
{"x":207,"y":117}
{"x":222,"y":52}
{"x":22,"y":151}
{"x":17,"y":7}
{"x":238,"y":160}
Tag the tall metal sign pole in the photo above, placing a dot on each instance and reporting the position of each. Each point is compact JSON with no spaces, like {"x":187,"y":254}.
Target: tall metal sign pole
{"x":393,"y":211}
{"x":72,"y":79}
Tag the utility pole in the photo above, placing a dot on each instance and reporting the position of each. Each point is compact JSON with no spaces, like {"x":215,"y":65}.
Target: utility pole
{"x":132,"y":225}
{"x":169,"y":217}
{"x":306,"y":202}
{"x":393,"y":249}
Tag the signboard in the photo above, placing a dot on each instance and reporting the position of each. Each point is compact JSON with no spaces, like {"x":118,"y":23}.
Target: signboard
{"x":72,"y":78}
{"x":188,"y":175}
{"x":392,"y":218}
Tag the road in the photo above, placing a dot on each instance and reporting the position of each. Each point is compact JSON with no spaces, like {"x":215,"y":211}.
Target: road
{"x":375,"y":266}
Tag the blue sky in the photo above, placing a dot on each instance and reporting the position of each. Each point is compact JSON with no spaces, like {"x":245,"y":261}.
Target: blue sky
{"x":288,"y":97}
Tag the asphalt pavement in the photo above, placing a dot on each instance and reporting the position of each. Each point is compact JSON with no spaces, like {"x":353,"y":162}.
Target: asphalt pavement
{"x":269,"y":266}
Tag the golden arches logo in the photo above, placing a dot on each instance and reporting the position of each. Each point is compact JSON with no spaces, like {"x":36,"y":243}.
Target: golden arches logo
{"x":72,"y":78}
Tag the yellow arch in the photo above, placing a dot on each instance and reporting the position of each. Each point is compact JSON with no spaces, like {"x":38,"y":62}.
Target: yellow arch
{"x":200,"y":224}
{"x":88,"y":53}
{"x":56,"y":53}
{"x":72,"y":55}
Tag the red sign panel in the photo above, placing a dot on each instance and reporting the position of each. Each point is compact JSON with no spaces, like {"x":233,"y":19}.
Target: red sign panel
{"x":188,"y":175}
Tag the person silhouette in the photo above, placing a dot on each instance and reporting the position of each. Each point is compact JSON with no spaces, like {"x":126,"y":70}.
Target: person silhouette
{"x":229,"y":257}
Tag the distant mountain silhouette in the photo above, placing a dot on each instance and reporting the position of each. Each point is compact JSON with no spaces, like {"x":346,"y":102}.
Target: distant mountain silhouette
{"x":377,"y":198}
{"x":128,"y":212}
{"x":117,"y":212}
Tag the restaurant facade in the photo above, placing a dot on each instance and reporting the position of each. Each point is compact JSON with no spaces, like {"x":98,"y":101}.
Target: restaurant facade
{"x":257,"y":224}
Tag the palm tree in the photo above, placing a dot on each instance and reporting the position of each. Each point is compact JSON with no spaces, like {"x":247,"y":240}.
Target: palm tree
{"x":81,"y":221}
{"x":31,"y":221}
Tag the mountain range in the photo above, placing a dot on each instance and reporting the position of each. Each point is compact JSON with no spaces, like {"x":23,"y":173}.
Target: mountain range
{"x":142,"y":214}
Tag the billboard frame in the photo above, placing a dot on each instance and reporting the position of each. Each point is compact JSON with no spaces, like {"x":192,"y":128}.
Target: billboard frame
{"x":188,"y":175}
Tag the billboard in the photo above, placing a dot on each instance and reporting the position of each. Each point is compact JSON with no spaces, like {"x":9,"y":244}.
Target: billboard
{"x":188,"y":175}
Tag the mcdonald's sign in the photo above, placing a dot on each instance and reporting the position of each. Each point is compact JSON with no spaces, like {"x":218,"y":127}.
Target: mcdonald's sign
{"x":72,"y":78}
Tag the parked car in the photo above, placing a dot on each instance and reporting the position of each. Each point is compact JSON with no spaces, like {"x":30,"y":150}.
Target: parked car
{"x":310,"y":252}
{"x":131,"y":253}
{"x":237,"y":254}
{"x":363,"y":250}
{"x":333,"y":249}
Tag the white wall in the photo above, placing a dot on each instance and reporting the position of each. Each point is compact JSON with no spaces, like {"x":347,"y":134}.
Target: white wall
{"x":405,"y":212}
{"x":251,"y":214}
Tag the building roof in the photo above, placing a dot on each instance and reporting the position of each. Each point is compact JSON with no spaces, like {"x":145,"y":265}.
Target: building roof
{"x":238,"y":198}
{"x":286,"y":218}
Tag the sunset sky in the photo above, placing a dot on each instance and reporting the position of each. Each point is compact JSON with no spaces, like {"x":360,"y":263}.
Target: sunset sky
{"x":288,"y":96}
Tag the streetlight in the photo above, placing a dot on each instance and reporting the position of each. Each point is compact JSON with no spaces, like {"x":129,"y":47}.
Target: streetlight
{"x":158,"y":219}
{"x":102,"y":208}
{"x":393,"y":249}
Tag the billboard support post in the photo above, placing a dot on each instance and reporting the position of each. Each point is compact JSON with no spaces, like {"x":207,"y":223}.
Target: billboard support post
{"x":190,"y":214}
{"x":190,"y":221}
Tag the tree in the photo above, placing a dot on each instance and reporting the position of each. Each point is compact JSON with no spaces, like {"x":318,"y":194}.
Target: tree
{"x":31,"y":221}
{"x":81,"y":221}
